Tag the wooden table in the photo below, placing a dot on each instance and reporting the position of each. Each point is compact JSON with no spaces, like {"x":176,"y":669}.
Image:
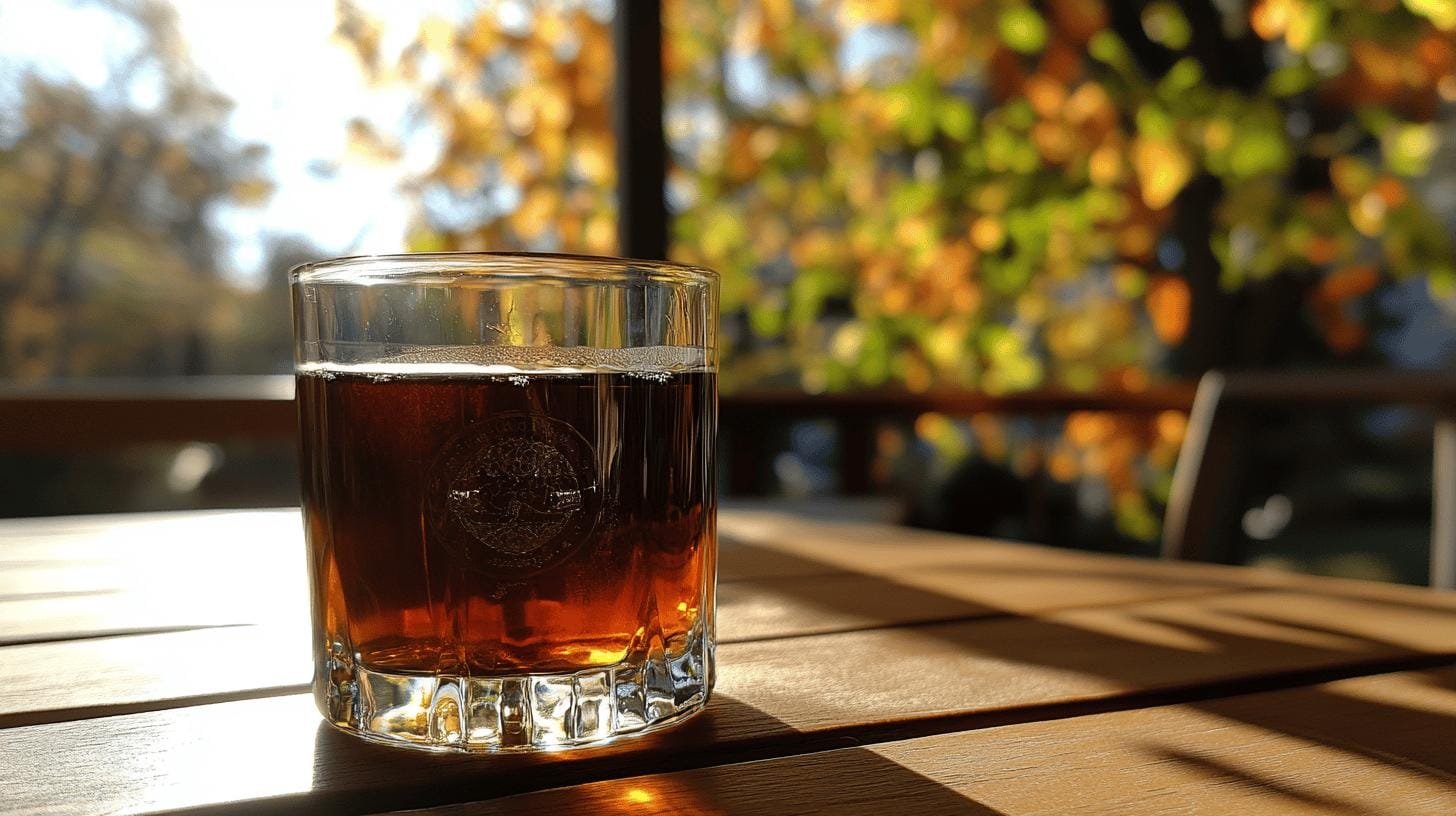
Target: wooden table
{"x":158,"y":663}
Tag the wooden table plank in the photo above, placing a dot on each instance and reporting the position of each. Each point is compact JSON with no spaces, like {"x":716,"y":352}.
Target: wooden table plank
{"x":71,"y":578}
{"x":876,"y":549}
{"x":141,"y":672}
{"x":98,"y":582}
{"x":785,"y":696}
{"x":1335,"y":745}
{"x":1365,"y":746}
{"x":120,"y":552}
{"x":808,"y":597}
{"x":75,"y":680}
{"x":837,"y":635}
{"x":92,"y":581}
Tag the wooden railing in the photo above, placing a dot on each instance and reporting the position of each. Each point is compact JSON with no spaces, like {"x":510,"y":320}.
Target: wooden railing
{"x":103,"y":414}
{"x":100,"y":414}
{"x":857,"y":417}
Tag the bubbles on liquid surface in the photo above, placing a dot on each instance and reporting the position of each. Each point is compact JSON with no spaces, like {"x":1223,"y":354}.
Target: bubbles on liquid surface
{"x":654,"y":363}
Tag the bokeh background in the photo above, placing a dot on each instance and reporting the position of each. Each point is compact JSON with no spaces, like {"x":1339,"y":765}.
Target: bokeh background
{"x":1009,"y":199}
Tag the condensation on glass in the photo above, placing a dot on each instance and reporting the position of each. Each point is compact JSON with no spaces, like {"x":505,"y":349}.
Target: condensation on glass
{"x":509,"y":495}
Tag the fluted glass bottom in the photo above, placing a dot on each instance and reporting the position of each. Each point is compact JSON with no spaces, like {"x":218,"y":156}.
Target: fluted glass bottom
{"x":530,"y":712}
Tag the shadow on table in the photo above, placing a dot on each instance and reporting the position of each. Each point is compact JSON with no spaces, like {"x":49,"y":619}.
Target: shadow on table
{"x":351,"y":775}
{"x":1211,"y":582}
{"x":1310,"y":654}
{"x":1228,"y":774}
{"x":680,"y":771}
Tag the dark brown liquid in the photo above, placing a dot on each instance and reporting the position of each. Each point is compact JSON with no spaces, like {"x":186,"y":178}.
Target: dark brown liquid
{"x":497,"y":525}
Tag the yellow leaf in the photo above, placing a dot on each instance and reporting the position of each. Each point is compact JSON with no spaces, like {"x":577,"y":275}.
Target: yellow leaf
{"x":1441,"y":13}
{"x":534,"y":215}
{"x":1162,"y":168}
{"x":437,"y":35}
{"x":484,"y":36}
{"x":857,"y":12}
{"x":987,"y":233}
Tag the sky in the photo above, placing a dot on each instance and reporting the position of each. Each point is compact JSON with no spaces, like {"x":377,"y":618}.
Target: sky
{"x":294,"y":88}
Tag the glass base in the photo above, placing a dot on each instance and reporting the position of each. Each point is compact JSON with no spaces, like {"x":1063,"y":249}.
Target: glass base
{"x":527,"y":712}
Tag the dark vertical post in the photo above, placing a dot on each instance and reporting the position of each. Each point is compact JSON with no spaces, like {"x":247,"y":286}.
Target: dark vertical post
{"x":1443,"y":504}
{"x":857,"y":445}
{"x":641,"y":147}
{"x":747,"y":449}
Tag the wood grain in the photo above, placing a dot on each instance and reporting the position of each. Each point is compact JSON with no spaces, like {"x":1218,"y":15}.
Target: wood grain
{"x":50,"y":682}
{"x":834,"y":634}
{"x":144,"y":671}
{"x":1374,"y":745}
{"x":973,"y":603}
{"x":169,"y":574}
{"x":83,"y":578}
{"x":774,"y":697}
{"x":876,"y":549}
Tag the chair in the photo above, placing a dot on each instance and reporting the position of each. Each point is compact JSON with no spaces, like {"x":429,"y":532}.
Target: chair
{"x":1201,"y":498}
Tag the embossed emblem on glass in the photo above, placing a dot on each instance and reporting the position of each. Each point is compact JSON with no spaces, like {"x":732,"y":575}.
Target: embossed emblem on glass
{"x":523,"y":488}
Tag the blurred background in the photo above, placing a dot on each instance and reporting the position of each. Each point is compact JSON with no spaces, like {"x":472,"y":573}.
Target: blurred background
{"x":976,"y":254}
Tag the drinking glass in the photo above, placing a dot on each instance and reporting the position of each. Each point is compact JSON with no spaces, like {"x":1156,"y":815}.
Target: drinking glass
{"x":509,"y":495}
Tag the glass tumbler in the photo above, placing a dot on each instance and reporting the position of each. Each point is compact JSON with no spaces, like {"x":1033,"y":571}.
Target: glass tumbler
{"x":509,"y":495}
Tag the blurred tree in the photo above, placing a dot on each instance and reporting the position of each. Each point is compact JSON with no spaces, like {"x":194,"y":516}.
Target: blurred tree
{"x":1001,"y":195}
{"x":250,"y":330}
{"x":105,"y":214}
{"x":1057,"y":193}
{"x":520,"y":97}
{"x":987,"y":194}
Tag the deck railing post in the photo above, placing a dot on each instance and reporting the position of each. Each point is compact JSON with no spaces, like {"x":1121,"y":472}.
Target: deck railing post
{"x":1443,"y":504}
{"x":637,"y":120}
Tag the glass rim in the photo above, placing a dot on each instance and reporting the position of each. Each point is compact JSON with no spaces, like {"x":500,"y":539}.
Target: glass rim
{"x":408,"y":267}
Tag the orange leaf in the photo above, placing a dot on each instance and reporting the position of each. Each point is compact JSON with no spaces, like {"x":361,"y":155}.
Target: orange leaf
{"x":1168,"y":303}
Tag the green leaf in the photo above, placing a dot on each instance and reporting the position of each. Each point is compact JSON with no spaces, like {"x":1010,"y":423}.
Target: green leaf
{"x":1291,"y":80}
{"x":1134,"y":519}
{"x":1408,"y":148}
{"x":807,"y":293}
{"x":1259,"y":151}
{"x":723,"y":231}
{"x":1154,"y":121}
{"x":1184,"y":76}
{"x":1441,"y":281}
{"x":1165,"y":24}
{"x":1109,"y":48}
{"x":766,"y":317}
{"x":957,"y":119}
{"x":1023,"y":29}
{"x":874,"y":356}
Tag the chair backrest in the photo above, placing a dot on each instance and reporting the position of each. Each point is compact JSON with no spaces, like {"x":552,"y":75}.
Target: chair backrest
{"x":1213,"y":449}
